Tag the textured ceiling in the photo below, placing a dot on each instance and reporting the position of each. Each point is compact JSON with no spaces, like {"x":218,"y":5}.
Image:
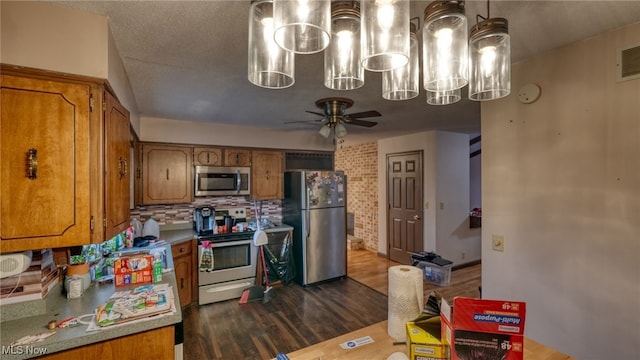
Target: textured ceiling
{"x":187,"y":60}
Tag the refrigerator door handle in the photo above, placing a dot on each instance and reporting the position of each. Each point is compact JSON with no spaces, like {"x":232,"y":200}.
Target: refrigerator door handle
{"x":308,"y":221}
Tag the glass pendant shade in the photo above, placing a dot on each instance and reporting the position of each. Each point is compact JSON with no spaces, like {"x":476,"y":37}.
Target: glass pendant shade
{"x":490,"y":54}
{"x":385,"y":34}
{"x":403,"y":83}
{"x":302,"y":26}
{"x":325,"y":131}
{"x":342,"y":66}
{"x":341,"y":130}
{"x":269,"y":66}
{"x":445,"y":97}
{"x":445,"y":46}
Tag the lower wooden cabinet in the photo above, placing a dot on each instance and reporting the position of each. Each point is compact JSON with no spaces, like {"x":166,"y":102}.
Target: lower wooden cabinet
{"x":183,"y":264}
{"x":157,"y":344}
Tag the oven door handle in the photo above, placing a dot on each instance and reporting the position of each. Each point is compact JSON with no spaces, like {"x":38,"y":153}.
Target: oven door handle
{"x":238,"y":181}
{"x":245,"y":284}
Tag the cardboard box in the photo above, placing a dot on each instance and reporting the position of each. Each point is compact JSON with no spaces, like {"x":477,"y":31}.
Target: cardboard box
{"x":491,"y":329}
{"x":423,"y":340}
{"x":133,"y":270}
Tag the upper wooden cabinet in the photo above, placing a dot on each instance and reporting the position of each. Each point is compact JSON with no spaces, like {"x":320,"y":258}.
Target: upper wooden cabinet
{"x":57,"y":143}
{"x":208,"y":156}
{"x":237,"y":157}
{"x":167,"y":176}
{"x":117,"y":166}
{"x":267,"y":177}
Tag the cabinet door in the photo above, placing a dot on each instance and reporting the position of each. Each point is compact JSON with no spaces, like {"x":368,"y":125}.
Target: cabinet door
{"x":183,"y":264}
{"x":237,"y":157}
{"x":207,"y":156}
{"x":45,"y":124}
{"x":117,"y":167}
{"x":267,"y":175}
{"x":167,"y":174}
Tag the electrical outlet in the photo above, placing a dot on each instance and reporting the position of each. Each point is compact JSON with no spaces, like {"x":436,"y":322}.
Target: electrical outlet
{"x":441,"y":206}
{"x":497,"y":242}
{"x":462,"y":256}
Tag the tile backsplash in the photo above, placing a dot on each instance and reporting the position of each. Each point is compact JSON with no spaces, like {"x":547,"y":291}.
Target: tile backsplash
{"x":183,"y":213}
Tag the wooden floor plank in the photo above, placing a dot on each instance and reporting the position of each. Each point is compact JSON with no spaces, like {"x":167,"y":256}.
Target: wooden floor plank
{"x":298,"y":317}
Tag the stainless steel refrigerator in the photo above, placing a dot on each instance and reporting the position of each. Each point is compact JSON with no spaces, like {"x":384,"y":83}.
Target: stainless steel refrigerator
{"x":314,"y":206}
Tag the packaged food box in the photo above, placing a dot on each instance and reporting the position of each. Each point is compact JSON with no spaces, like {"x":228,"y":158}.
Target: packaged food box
{"x":424,"y":340}
{"x":491,"y":329}
{"x":133,"y":270}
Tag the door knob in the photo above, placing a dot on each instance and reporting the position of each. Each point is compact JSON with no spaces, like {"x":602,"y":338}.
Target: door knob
{"x":416,"y":217}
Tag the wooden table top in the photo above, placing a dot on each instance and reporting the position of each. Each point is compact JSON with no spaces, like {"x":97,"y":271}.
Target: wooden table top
{"x":382,"y":347}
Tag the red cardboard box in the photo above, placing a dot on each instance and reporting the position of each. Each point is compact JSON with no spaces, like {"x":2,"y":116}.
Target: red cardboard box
{"x":133,"y":270}
{"x":488,"y":329}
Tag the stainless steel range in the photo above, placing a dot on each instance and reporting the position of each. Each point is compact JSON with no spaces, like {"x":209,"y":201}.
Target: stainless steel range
{"x":234,"y":260}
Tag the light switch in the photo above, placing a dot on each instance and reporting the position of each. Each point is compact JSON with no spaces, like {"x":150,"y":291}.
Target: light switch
{"x":497,"y":242}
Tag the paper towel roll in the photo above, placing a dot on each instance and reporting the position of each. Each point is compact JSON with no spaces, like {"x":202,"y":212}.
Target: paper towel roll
{"x":405,"y":299}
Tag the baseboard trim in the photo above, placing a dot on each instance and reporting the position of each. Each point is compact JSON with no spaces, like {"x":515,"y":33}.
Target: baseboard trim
{"x":462,"y":266}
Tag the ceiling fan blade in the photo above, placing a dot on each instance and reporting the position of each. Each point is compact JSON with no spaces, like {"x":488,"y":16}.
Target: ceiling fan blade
{"x":364,"y":114}
{"x":357,"y":122}
{"x":317,"y":113}
{"x":302,"y":121}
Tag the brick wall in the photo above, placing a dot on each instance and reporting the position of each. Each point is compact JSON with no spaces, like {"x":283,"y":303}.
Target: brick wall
{"x":360,"y":164}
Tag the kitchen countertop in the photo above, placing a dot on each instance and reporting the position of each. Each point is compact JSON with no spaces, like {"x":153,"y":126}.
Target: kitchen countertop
{"x":58,"y":307}
{"x":177,"y":233}
{"x":383,"y":346}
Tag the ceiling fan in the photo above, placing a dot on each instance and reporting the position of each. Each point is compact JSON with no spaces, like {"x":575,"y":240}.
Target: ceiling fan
{"x":334,"y":117}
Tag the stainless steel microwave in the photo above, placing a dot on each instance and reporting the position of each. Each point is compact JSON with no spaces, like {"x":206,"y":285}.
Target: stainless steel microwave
{"x":218,"y":180}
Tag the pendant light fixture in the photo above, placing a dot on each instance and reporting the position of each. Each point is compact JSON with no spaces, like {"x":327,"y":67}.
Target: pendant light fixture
{"x":445,"y":46}
{"x":490,"y":55}
{"x":445,"y":97}
{"x":342,"y":61}
{"x":269,"y":66}
{"x":403,"y":83}
{"x":385,"y":34}
{"x":302,"y":26}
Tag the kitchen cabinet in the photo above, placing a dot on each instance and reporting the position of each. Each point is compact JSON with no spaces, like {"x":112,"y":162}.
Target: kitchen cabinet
{"x":117,"y":190}
{"x":183,"y":263}
{"x":167,"y":174}
{"x":155,"y":344}
{"x":267,"y":175}
{"x":237,"y":157}
{"x":208,"y":156}
{"x":56,"y":141}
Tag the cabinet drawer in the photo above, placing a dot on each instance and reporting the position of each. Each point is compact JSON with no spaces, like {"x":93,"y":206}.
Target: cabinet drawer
{"x":181,"y":249}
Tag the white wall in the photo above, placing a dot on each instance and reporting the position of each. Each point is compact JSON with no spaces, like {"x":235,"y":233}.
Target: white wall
{"x":446,"y":180}
{"x":45,"y":36}
{"x":561,"y":183}
{"x":193,"y":132}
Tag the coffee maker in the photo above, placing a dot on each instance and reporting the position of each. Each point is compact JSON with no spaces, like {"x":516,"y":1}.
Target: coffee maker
{"x":204,"y":220}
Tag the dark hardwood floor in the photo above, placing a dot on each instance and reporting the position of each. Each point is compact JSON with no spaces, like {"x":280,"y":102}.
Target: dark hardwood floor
{"x":297,"y":317}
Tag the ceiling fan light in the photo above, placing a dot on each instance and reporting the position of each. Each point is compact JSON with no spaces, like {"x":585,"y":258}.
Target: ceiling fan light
{"x":341,"y":130}
{"x":342,"y":61}
{"x":302,"y":26}
{"x":443,"y":97}
{"x":269,"y":66}
{"x":403,"y":83}
{"x":385,"y":34}
{"x":490,"y":56}
{"x":325,"y":131}
{"x":445,"y":46}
